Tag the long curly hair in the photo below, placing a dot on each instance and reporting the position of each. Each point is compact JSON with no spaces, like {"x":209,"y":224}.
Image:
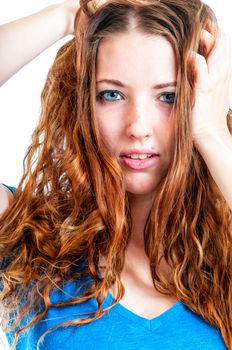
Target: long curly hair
{"x":71,"y":204}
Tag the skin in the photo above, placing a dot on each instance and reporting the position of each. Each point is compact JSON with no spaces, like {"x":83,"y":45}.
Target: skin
{"x":213,"y":76}
{"x":209,"y":115}
{"x":6,"y":198}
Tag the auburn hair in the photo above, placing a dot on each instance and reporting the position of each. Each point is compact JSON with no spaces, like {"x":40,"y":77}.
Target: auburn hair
{"x":71,"y":204}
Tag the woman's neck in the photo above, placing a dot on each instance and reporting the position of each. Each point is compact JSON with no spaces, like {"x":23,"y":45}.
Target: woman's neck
{"x":140,"y":207}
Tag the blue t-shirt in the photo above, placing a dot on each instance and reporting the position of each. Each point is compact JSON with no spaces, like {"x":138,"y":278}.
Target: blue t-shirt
{"x":178,"y":328}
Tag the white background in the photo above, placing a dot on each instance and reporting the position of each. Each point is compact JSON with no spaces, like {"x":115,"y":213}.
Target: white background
{"x":20,"y":96}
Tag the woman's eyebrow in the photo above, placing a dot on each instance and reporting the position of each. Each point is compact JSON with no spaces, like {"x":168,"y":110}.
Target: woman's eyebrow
{"x":119,"y":83}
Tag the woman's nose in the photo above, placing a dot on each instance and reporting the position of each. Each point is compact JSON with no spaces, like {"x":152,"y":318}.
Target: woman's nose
{"x":139,"y":120}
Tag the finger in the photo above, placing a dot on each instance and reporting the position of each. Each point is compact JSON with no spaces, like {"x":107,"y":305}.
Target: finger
{"x":206,"y":44}
{"x":229,"y":52}
{"x":201,"y":71}
{"x":81,"y":22}
{"x":219,"y":60}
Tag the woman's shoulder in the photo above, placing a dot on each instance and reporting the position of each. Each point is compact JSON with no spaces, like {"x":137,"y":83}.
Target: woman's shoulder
{"x":6,"y":196}
{"x":7,"y":187}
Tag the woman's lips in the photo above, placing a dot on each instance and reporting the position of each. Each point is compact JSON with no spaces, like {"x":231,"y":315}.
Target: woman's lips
{"x":139,"y":164}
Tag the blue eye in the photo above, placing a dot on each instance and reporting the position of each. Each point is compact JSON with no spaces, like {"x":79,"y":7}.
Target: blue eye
{"x":108,"y":95}
{"x":168,"y":97}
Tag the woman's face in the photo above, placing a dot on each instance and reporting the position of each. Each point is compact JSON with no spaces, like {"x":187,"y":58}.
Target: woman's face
{"x":136,"y":83}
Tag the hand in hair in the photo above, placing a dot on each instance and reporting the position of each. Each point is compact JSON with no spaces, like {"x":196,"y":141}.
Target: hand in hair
{"x":212,"y":132}
{"x":213,"y":74}
{"x":71,"y":7}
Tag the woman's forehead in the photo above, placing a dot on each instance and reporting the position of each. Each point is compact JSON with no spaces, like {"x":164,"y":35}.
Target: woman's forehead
{"x":133,"y":56}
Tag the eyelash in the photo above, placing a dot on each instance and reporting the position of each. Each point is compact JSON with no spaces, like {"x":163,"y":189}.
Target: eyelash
{"x":100,"y":96}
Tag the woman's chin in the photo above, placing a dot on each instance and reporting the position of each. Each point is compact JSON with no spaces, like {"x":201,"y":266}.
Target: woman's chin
{"x":143,"y":182}
{"x":142,"y":187}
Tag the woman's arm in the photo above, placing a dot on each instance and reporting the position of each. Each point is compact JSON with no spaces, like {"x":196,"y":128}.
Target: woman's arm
{"x":25,"y":38}
{"x":216,"y":150}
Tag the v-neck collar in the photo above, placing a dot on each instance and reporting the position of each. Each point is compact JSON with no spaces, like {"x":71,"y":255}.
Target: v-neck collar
{"x":170,"y":315}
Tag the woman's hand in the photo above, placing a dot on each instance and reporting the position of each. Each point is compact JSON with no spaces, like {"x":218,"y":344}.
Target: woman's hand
{"x":213,"y":74}
{"x":71,"y":7}
{"x":211,"y":134}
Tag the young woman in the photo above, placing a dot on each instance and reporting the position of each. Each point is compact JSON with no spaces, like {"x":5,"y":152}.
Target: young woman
{"x":119,"y":233}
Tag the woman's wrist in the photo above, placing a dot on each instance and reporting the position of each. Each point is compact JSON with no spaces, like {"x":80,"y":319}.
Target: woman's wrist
{"x":59,"y":18}
{"x":69,"y":8}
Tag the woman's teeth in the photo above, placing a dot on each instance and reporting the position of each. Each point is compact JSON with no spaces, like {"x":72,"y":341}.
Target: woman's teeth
{"x":139,"y":156}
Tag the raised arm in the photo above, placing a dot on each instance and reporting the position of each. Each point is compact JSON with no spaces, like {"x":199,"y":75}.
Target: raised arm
{"x":25,"y":38}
